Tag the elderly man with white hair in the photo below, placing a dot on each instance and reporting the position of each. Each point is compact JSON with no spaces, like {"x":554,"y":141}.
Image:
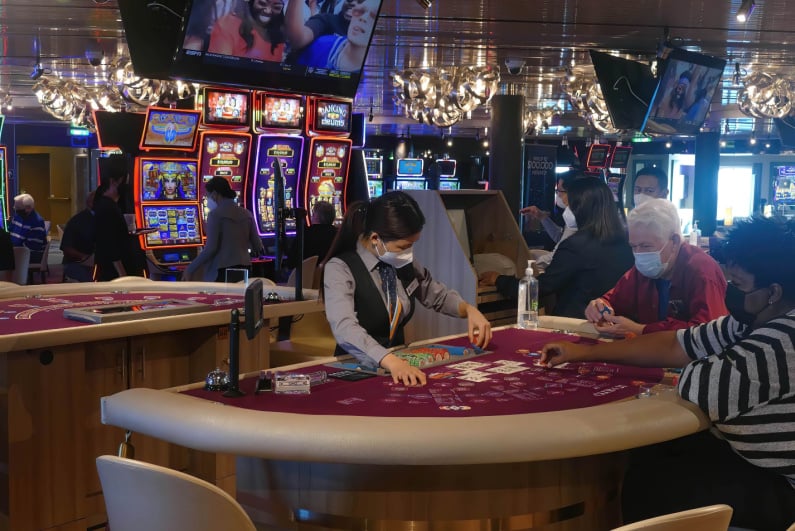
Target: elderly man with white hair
{"x":672,"y":285}
{"x":27,"y":227}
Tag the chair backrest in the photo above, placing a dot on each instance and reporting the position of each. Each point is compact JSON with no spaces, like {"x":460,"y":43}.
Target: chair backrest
{"x":308,"y":267}
{"x":140,"y":495}
{"x":21,"y":264}
{"x":710,"y":518}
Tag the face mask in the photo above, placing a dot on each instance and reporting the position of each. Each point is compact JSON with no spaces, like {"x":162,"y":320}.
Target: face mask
{"x":569,"y":219}
{"x":641,"y":198}
{"x":559,"y":201}
{"x":22,"y":213}
{"x":211,"y":204}
{"x":650,"y":264}
{"x":735,"y":303}
{"x":396,"y":260}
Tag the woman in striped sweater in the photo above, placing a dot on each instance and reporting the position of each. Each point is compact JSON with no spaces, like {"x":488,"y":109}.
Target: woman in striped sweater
{"x":740,"y":370}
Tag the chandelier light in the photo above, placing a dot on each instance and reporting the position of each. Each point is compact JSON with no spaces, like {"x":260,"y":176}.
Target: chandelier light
{"x":766,"y":95}
{"x":585,"y":95}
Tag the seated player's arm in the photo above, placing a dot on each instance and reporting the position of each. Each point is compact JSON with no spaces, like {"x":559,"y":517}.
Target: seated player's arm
{"x":652,"y":350}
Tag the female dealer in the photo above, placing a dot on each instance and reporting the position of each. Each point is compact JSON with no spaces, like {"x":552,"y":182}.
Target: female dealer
{"x":371,"y":283}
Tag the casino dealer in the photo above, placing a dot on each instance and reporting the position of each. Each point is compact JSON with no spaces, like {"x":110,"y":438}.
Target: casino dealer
{"x":371,"y":282}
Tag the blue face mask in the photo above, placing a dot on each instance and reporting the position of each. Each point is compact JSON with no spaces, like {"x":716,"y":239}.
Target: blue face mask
{"x":650,"y":264}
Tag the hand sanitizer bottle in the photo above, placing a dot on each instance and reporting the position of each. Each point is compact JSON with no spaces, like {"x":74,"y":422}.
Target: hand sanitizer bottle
{"x":527,"y":309}
{"x":695,"y":234}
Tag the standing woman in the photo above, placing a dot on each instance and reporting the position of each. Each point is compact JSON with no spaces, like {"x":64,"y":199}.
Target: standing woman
{"x":113,"y":255}
{"x":231,"y":236}
{"x":371,"y":282}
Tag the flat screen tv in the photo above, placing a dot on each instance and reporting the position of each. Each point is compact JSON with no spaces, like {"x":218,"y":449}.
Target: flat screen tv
{"x":152,"y":32}
{"x":170,"y":129}
{"x":409,"y":167}
{"x":213,"y":49}
{"x":446,"y":168}
{"x":598,"y":156}
{"x":620,"y":159}
{"x":331,"y":116}
{"x":682,"y":99}
{"x":280,"y":111}
{"x":225,"y":107}
{"x":786,"y":130}
{"x":122,"y":130}
{"x":627,"y":87}
{"x":177,"y":225}
{"x":163,"y":179}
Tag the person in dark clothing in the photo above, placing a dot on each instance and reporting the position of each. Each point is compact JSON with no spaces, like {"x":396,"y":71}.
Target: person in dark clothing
{"x":7,"y":263}
{"x":588,"y":262}
{"x":77,"y":244}
{"x":318,"y":236}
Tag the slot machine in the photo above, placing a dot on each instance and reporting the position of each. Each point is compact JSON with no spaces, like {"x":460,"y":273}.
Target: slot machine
{"x":4,"y":199}
{"x":166,"y":188}
{"x":410,"y":175}
{"x":619,"y":161}
{"x":280,"y":120}
{"x":375,"y":174}
{"x":328,"y":154}
{"x":224,"y":144}
{"x":782,"y":190}
{"x":447,"y":178}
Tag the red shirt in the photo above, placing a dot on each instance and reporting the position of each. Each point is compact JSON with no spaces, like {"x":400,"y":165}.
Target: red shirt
{"x":698,"y":290}
{"x":225,"y":39}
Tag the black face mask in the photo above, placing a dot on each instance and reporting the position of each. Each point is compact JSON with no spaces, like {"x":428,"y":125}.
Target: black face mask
{"x":735,"y":303}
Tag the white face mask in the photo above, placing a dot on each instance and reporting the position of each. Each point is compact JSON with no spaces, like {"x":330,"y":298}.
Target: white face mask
{"x":396,"y":260}
{"x":211,"y":204}
{"x":559,"y":201}
{"x":650,"y":264}
{"x":641,"y":198}
{"x":569,"y":219}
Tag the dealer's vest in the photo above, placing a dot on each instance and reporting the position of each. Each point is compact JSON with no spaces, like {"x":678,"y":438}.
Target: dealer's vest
{"x":371,"y":312}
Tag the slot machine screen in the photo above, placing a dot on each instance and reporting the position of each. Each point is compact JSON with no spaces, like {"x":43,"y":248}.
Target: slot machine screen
{"x":620,"y":158}
{"x":170,"y":129}
{"x":597,"y":156}
{"x":409,"y":167}
{"x":446,"y":167}
{"x":223,"y":107}
{"x":176,"y":225}
{"x":162,"y":179}
{"x":331,"y":116}
{"x":279,"y":111}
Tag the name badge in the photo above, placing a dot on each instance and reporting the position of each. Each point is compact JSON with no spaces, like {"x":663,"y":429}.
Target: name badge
{"x":411,"y":288}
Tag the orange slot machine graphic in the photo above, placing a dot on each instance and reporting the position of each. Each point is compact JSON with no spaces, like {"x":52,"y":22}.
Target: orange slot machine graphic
{"x":328,"y":155}
{"x":280,"y":119}
{"x":167,"y":214}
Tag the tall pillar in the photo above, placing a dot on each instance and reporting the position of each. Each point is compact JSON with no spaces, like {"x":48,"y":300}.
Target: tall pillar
{"x":505,"y":144}
{"x":705,"y":183}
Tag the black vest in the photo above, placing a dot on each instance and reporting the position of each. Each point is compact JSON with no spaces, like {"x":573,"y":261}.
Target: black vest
{"x":371,"y":312}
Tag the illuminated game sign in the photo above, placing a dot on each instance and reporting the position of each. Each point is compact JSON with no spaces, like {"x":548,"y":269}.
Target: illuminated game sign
{"x":409,"y":167}
{"x":598,"y":155}
{"x":176,"y":225}
{"x":287,"y":149}
{"x":170,"y":129}
{"x":223,"y":107}
{"x":279,"y":111}
{"x":328,"y":168}
{"x":332,"y":116}
{"x":224,"y":155}
{"x":167,"y":179}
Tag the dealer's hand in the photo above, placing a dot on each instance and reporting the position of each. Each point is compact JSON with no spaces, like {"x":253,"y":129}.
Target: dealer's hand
{"x":561,"y":352}
{"x":478,"y":327}
{"x":402,"y":371}
{"x":618,"y":326}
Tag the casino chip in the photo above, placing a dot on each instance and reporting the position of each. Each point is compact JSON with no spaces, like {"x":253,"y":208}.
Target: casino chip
{"x":455,"y":408}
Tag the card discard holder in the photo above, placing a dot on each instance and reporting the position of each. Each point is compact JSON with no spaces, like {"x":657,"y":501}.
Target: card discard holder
{"x":351,"y":376}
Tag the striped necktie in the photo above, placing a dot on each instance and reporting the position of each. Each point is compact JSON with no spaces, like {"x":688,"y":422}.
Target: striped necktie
{"x":389,"y":285}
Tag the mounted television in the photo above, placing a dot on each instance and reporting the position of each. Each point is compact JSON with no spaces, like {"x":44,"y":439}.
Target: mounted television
{"x":598,"y":156}
{"x":212,"y":49}
{"x":446,"y":168}
{"x":681,"y":101}
{"x":620,"y":159}
{"x":120,"y":130}
{"x":163,"y":179}
{"x":409,"y":167}
{"x":627,"y":87}
{"x":331,"y":116}
{"x":786,"y":130}
{"x":280,"y":111}
{"x":170,"y":129}
{"x":225,"y":107}
{"x":152,"y":33}
{"x":177,"y":225}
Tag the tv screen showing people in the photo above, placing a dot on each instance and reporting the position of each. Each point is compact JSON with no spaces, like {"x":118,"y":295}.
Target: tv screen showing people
{"x":170,"y":129}
{"x":226,"y":108}
{"x":317,"y":46}
{"x":681,"y":102}
{"x":167,"y":179}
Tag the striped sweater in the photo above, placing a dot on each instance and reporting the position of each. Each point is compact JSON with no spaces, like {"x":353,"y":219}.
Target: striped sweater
{"x":745,"y":382}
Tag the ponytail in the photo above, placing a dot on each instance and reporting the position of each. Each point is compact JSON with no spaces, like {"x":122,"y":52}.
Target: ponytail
{"x":348,"y":234}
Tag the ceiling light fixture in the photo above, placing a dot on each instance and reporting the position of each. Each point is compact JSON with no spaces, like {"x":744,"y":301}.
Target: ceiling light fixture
{"x":752,"y":140}
{"x":425,"y":4}
{"x":745,"y":10}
